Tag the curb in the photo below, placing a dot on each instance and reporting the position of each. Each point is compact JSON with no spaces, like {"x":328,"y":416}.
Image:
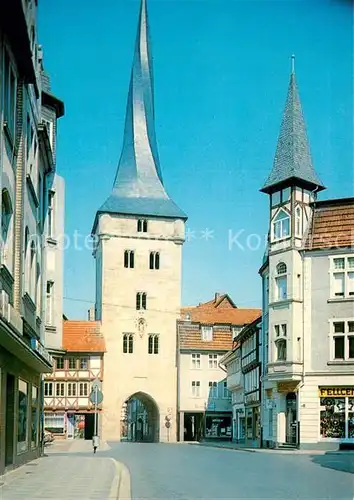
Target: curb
{"x":121,"y":486}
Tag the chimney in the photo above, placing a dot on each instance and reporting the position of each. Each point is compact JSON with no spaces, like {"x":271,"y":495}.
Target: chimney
{"x":91,"y":314}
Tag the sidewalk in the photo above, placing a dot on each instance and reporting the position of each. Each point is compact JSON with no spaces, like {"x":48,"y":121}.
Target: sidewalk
{"x":237,"y":447}
{"x":62,"y":475}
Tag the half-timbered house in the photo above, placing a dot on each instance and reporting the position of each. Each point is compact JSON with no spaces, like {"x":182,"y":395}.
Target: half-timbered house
{"x":68,"y":411}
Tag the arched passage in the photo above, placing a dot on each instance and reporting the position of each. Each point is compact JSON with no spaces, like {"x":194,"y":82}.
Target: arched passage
{"x":140,"y":419}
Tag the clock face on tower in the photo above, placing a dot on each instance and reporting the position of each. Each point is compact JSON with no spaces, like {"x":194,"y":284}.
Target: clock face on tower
{"x":140,"y":324}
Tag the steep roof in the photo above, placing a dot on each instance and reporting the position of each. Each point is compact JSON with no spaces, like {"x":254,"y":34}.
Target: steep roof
{"x":138,"y":187}
{"x":220,"y":311}
{"x":293,"y":158}
{"x":332,"y":225}
{"x":83,"y":336}
{"x":190,"y":338}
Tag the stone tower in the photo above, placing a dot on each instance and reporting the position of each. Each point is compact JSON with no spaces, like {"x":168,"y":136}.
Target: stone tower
{"x":139,"y":233}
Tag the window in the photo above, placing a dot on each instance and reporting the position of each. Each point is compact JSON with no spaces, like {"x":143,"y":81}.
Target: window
{"x":59,"y":363}
{"x":298,"y":221}
{"x":226,"y":393}
{"x":34,"y":417}
{"x":277,"y":330}
{"x":281,"y":225}
{"x":49,"y":303}
{"x":154,"y":260}
{"x":281,"y":349}
{"x":213,"y":360}
{"x":153,"y":344}
{"x":48,"y":388}
{"x":281,"y":282}
{"x":142,"y":226}
{"x":342,"y":277}
{"x":71,"y":389}
{"x":54,"y":422}
{"x":140,"y":301}
{"x":9,"y":97}
{"x":281,"y":196}
{"x":29,"y":136}
{"x":129,"y":259}
{"x":51,"y":214}
{"x":83,"y":389}
{"x":235,"y":331}
{"x":342,"y":341}
{"x":83,"y":363}
{"x":213,"y":390}
{"x":128,"y":343}
{"x":6,"y":213}
{"x":32,"y":270}
{"x":196,"y":361}
{"x":207,"y":333}
{"x":22,"y":416}
{"x":59,"y":389}
{"x":72,"y":363}
{"x":196,"y":388}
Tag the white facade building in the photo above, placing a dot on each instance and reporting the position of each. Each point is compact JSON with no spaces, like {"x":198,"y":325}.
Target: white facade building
{"x":308,"y":301}
{"x":205,"y":335}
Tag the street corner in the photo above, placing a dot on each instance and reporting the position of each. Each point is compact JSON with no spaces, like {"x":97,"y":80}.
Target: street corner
{"x":121,"y":486}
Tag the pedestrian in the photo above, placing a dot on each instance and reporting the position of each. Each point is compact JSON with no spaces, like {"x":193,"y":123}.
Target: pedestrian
{"x":94,"y":443}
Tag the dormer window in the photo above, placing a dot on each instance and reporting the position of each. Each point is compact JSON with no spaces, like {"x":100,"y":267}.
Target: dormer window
{"x":281,"y":225}
{"x":142,"y":226}
{"x":281,"y":196}
{"x":281,"y":282}
{"x":207,"y":333}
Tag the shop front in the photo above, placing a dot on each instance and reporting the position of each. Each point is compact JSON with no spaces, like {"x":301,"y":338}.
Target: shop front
{"x":252,"y":426}
{"x":337,"y":414}
{"x":20,"y":410}
{"x":218,"y":426}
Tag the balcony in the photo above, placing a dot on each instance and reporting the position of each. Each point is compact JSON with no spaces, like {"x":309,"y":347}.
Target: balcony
{"x":234,"y":381}
{"x":284,"y":370}
{"x":9,"y":314}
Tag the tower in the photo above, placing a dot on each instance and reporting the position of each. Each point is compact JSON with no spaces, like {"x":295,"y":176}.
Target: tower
{"x":292,"y":186}
{"x":139,"y":233}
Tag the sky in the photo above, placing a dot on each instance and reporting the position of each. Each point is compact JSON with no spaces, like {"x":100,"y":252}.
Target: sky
{"x":221,"y":72}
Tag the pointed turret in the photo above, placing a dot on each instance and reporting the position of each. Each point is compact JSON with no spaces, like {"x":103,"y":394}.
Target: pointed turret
{"x":138,"y":186}
{"x":292,"y":162}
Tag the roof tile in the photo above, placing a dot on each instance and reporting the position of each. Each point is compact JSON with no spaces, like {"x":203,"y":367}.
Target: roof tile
{"x":83,"y":336}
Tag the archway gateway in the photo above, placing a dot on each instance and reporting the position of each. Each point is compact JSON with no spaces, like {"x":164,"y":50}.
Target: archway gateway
{"x":140,"y":419}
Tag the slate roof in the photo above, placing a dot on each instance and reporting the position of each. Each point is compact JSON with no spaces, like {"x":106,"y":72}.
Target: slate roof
{"x":292,"y":158}
{"x":332,"y":225}
{"x":138,"y":186}
{"x":83,"y":336}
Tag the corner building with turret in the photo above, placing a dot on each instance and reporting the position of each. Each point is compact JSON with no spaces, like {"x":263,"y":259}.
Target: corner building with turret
{"x":139,"y":233}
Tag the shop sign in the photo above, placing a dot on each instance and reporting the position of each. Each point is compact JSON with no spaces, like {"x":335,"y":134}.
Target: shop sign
{"x":336,"y":392}
{"x":41,"y":350}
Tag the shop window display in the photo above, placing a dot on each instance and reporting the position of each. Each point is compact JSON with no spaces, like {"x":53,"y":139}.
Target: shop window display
{"x":22,"y":421}
{"x":333,"y":418}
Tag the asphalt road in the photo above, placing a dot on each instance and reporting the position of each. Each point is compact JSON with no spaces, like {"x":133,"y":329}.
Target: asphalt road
{"x":182,"y":471}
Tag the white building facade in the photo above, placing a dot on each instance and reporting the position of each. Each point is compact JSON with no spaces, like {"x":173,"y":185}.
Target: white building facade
{"x":205,"y":334}
{"x":308,"y":278}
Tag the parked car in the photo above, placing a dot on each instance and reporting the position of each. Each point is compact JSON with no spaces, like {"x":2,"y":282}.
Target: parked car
{"x":48,"y":437}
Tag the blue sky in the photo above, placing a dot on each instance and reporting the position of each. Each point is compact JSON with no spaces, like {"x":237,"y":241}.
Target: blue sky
{"x":221,"y":71}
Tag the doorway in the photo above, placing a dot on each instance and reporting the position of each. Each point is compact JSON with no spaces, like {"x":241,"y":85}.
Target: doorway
{"x":193,"y":426}
{"x":291,"y":419}
{"x":140,"y":420}
{"x":9,"y":419}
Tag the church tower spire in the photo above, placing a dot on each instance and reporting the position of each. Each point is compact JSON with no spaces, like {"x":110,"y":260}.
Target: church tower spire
{"x":138,"y":186}
{"x":292,"y":162}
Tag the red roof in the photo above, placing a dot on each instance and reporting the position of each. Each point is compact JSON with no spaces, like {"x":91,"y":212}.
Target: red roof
{"x":83,"y":336}
{"x":332,"y":225}
{"x":220,"y":311}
